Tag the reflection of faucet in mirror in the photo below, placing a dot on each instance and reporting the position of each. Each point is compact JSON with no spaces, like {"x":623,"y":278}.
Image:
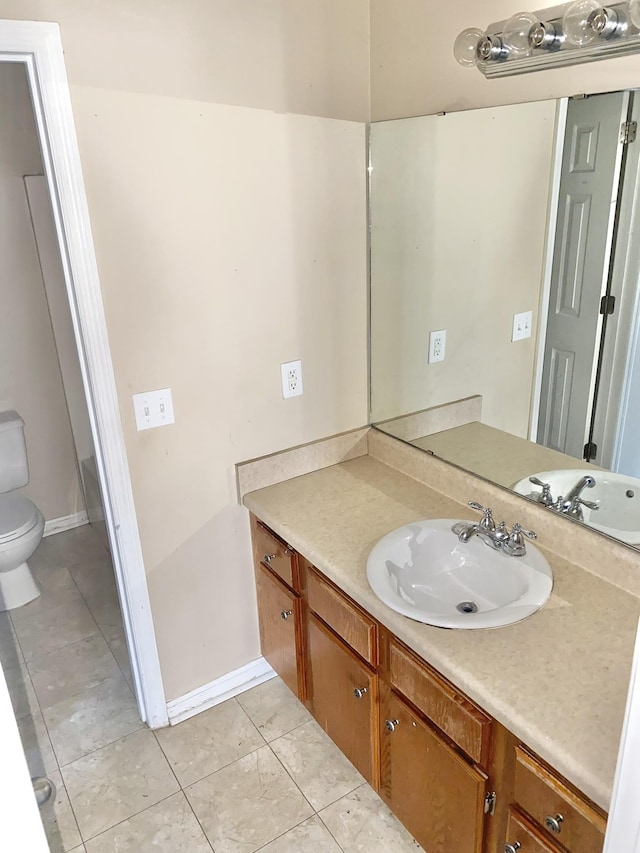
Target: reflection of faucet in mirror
{"x":573,"y":502}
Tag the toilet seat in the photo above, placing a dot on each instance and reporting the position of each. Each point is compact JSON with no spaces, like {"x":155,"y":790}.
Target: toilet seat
{"x":18,"y":515}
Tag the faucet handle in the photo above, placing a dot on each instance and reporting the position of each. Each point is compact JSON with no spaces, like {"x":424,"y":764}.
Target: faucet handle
{"x":545,"y":497}
{"x":487,"y":522}
{"x":515,"y":543}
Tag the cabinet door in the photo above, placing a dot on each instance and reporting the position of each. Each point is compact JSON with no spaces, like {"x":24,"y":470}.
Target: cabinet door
{"x":344,"y":697}
{"x":436,"y":794}
{"x":279,"y":616}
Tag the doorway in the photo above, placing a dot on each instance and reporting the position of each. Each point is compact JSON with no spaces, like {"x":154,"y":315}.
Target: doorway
{"x":37,"y":46}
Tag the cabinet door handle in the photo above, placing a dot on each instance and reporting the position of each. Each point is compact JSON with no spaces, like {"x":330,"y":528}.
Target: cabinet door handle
{"x":553,"y":824}
{"x":284,"y":614}
{"x":268,"y":557}
{"x":391,"y":725}
{"x":512,"y":848}
{"x":359,"y":692}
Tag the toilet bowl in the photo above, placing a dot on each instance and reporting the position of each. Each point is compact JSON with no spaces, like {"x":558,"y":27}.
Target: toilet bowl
{"x":21,"y":530}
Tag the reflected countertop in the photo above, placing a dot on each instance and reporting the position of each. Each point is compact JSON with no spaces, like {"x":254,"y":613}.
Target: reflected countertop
{"x":557,"y":680}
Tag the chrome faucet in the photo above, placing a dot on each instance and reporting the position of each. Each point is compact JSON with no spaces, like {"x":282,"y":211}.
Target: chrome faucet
{"x":495,"y":536}
{"x":573,"y":502}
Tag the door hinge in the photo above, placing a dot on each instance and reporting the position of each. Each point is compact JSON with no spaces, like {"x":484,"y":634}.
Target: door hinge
{"x":607,"y":304}
{"x":628,"y":132}
{"x":490,"y":803}
{"x":590,"y":451}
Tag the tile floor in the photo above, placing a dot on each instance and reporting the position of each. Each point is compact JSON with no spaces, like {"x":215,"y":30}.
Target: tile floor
{"x":255,"y":773}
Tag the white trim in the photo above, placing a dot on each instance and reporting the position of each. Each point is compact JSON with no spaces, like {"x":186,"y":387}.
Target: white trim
{"x":623,"y":826}
{"x":39,"y":47}
{"x":65,"y":522}
{"x":223,"y":688}
{"x":21,"y":825}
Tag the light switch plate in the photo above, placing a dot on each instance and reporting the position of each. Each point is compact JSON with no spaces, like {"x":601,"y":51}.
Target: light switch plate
{"x":153,"y":409}
{"x":522,"y":324}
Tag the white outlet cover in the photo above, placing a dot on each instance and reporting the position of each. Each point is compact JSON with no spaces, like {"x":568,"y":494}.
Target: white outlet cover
{"x":437,"y":345}
{"x":291,"y":375}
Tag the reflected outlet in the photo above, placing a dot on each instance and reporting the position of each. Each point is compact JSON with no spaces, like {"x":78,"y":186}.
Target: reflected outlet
{"x":437,"y":341}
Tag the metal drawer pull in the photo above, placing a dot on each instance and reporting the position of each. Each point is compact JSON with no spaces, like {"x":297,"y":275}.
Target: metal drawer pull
{"x":390,"y":725}
{"x":512,"y":848}
{"x":285,"y":614}
{"x":268,"y":557}
{"x":359,"y":692}
{"x":553,"y":823}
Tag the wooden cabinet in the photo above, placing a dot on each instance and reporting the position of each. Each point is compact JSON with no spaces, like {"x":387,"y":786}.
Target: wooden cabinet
{"x":523,"y":837}
{"x":435,"y":792}
{"x":560,"y":814}
{"x":279,"y":617}
{"x":436,"y":758}
{"x":344,"y":698}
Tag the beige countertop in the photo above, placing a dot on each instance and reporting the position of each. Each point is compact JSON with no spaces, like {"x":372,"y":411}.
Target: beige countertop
{"x":557,"y":680}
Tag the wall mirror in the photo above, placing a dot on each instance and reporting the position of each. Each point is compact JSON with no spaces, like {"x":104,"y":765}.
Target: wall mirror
{"x":514,"y":234}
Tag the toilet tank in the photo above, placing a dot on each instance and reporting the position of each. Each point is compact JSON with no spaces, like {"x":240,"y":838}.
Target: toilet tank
{"x":14,"y":471}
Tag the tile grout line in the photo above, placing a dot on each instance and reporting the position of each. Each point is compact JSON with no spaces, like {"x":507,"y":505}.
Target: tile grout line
{"x":182,"y":791}
{"x":125,"y":819}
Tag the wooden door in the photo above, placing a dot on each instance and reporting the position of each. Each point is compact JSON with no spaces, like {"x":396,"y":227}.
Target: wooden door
{"x":436,"y":794}
{"x":279,"y":616}
{"x":344,"y":693}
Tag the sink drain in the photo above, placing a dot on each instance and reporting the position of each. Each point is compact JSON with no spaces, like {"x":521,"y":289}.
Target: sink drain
{"x":467,"y":607}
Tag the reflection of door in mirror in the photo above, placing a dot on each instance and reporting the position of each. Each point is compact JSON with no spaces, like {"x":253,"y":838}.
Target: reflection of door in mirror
{"x":588,"y":204}
{"x":471,"y":218}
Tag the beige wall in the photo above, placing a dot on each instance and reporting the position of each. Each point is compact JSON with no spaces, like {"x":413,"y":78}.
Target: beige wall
{"x":30,"y":378}
{"x":457,"y":203}
{"x":223,"y":150}
{"x":413,"y":71}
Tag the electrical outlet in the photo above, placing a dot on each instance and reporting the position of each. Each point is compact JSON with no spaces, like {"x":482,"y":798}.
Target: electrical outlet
{"x":522,"y":324}
{"x":153,"y":409}
{"x":291,"y":379}
{"x":437,"y":341}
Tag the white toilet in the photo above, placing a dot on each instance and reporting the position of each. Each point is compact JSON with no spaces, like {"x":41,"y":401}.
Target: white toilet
{"x":21,"y":522}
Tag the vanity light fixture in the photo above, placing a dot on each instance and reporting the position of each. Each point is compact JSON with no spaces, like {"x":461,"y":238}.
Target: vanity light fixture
{"x":582,"y":31}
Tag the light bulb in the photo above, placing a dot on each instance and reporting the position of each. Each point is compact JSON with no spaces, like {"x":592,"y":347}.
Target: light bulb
{"x":515,"y":35}
{"x":634,"y":13}
{"x":465,"y":48}
{"x":577,"y":22}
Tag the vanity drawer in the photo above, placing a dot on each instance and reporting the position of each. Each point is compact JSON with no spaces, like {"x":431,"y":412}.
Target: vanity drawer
{"x":466,"y":725}
{"x":350,"y":623}
{"x":272,"y":552}
{"x":546,"y":798}
{"x":521,"y":832}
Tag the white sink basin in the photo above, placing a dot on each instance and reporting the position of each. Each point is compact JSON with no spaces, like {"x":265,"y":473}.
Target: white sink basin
{"x":424,"y":572}
{"x":617,"y":495}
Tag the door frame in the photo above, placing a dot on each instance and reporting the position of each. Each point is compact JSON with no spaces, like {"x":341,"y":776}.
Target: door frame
{"x":39,"y":46}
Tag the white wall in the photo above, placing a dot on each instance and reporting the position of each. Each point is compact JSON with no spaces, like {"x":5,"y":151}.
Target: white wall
{"x":223,"y":149}
{"x":30,"y":379}
{"x":459,"y":212}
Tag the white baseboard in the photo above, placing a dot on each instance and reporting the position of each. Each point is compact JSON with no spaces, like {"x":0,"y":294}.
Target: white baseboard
{"x":67,"y":522}
{"x":223,"y":688}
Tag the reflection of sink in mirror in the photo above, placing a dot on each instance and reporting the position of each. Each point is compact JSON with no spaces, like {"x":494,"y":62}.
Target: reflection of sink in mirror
{"x":424,"y":572}
{"x":617,"y":496}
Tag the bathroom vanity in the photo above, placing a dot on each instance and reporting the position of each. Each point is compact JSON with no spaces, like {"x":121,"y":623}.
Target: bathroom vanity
{"x":479,"y":741}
